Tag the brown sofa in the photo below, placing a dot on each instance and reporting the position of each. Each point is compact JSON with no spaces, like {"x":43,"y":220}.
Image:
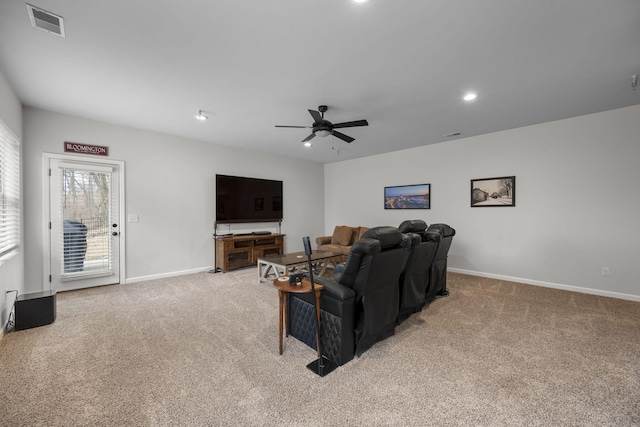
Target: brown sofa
{"x":341,"y":240}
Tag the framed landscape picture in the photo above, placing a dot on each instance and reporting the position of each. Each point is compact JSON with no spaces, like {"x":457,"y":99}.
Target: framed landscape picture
{"x":258,"y":204}
{"x":408,"y":197}
{"x":492,"y":192}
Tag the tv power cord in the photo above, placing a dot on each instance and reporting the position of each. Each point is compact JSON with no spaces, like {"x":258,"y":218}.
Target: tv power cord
{"x":11,"y":324}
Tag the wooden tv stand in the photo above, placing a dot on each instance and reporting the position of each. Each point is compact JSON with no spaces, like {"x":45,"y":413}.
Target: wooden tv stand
{"x":244,"y":250}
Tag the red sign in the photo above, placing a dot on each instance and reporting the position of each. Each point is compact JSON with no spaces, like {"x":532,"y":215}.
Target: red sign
{"x":98,"y":150}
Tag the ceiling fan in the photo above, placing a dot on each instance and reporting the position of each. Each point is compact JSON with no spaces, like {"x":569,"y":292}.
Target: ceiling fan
{"x":322,"y":127}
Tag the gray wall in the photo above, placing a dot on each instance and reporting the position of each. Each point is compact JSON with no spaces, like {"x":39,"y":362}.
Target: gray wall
{"x":170,"y":184}
{"x":577,"y":201}
{"x":11,"y":271}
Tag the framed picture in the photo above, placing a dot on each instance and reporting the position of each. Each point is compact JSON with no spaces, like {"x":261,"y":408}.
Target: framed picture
{"x":408,"y":197}
{"x":258,"y":204}
{"x":277,"y":203}
{"x":489,"y":192}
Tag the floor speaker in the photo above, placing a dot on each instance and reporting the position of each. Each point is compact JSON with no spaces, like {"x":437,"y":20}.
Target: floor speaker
{"x":36,"y":309}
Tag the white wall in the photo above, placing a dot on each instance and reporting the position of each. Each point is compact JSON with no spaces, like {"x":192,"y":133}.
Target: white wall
{"x":577,"y":201}
{"x":170,"y":184}
{"x":11,"y":271}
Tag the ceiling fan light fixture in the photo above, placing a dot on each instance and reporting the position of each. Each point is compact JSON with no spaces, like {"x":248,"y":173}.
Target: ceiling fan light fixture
{"x":323,"y":128}
{"x":201,"y":116}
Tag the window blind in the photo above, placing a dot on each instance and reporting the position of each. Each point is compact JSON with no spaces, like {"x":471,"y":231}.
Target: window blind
{"x":9,"y":192}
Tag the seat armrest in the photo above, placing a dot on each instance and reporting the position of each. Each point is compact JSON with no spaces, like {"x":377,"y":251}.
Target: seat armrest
{"x":337,"y":303}
{"x":323,"y":240}
{"x":335,"y":290}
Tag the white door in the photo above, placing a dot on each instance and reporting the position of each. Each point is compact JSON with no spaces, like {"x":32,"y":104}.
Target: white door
{"x":84,"y":227}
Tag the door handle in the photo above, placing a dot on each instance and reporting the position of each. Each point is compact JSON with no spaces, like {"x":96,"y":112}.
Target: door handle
{"x":115,"y":233}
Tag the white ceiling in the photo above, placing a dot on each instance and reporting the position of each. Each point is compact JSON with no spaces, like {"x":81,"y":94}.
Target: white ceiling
{"x":401,"y":64}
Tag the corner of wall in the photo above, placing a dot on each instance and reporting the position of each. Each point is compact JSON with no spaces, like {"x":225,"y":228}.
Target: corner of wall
{"x":12,"y":270}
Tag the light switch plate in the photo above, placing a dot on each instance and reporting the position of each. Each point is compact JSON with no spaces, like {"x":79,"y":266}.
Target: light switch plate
{"x":133,"y":218}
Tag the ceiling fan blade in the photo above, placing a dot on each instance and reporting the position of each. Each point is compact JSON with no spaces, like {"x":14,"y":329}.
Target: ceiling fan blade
{"x":310,"y":137}
{"x":282,"y":126}
{"x":342,"y":136}
{"x":351,"y":124}
{"x":316,"y":115}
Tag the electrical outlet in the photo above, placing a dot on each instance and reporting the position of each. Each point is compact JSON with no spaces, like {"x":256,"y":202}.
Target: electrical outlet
{"x":605,"y":271}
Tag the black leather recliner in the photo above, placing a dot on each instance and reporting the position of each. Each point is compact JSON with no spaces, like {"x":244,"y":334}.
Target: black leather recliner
{"x":414,"y":280}
{"x":359,"y":306}
{"x":438,"y":270}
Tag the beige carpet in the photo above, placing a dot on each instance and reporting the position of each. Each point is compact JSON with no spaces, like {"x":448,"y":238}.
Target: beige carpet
{"x":203,"y":350}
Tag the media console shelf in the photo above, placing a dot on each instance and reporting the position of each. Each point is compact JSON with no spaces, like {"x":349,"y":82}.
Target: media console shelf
{"x":243,"y":251}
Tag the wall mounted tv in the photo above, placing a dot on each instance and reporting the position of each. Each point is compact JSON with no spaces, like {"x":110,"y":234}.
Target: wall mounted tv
{"x":240,"y":199}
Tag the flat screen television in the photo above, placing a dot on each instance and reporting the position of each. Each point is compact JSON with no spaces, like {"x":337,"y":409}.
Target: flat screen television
{"x":241,"y":199}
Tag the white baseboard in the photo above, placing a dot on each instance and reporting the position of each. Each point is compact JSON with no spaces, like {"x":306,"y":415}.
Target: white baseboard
{"x":599,"y":292}
{"x":165,"y":275}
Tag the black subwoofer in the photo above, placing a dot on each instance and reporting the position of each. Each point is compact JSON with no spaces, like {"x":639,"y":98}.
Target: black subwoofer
{"x":36,"y":309}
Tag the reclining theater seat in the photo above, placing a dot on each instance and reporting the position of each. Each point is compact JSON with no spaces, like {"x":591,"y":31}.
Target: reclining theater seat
{"x":438,"y":271}
{"x":359,"y":306}
{"x":414,"y":280}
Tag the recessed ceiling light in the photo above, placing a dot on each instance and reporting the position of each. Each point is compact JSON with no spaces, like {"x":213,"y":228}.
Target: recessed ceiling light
{"x":308,"y":144}
{"x":201,"y":116}
{"x":360,"y":1}
{"x":470,"y":96}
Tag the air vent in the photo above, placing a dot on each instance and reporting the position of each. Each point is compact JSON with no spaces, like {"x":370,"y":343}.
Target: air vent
{"x":449,"y":135}
{"x":46,"y":20}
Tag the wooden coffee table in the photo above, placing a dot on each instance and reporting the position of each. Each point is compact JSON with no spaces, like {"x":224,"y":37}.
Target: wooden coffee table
{"x":283,"y":265}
